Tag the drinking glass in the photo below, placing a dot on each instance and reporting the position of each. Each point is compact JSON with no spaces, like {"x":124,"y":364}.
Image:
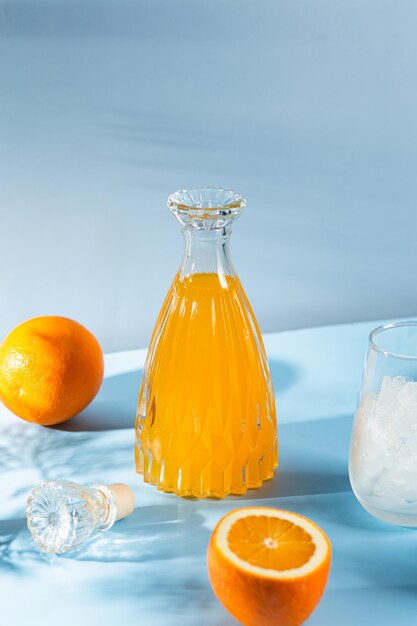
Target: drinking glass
{"x":383,"y":451}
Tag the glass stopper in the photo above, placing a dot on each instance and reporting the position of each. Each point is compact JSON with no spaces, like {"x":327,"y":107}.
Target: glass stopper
{"x":62,"y":515}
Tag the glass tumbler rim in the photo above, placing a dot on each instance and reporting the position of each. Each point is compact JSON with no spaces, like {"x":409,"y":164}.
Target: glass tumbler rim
{"x":387,"y":327}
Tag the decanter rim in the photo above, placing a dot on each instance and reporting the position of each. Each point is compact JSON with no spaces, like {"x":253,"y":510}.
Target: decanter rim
{"x":207,"y":198}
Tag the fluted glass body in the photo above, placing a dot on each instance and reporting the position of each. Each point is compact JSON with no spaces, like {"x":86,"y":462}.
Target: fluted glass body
{"x":206,"y":422}
{"x":383,"y":451}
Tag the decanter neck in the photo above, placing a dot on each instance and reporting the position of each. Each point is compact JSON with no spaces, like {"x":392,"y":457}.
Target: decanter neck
{"x":206,"y":215}
{"x":206,"y":251}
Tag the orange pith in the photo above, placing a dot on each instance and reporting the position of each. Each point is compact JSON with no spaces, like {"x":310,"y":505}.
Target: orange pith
{"x":268,"y":567}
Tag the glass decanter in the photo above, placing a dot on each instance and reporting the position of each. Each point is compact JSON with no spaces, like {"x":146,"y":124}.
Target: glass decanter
{"x":206,"y":423}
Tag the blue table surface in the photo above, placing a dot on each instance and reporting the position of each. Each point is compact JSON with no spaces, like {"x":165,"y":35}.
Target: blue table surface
{"x":150,"y":568}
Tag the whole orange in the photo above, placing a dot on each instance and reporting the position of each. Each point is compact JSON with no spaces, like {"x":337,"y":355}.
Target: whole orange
{"x":50,"y":369}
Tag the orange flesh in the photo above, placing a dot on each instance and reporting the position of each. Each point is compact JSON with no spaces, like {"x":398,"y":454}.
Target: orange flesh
{"x":206,"y":412}
{"x":270,"y":543}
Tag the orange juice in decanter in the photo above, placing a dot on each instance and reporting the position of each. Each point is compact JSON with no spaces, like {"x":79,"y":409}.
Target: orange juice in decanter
{"x":206,"y":424}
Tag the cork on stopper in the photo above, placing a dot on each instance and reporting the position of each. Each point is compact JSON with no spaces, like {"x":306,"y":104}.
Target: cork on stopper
{"x":125,"y":499}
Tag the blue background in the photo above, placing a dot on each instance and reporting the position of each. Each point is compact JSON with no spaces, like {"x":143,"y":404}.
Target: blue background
{"x":307,"y":108}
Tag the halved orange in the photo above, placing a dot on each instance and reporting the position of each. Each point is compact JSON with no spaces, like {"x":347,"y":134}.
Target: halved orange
{"x":268,"y":567}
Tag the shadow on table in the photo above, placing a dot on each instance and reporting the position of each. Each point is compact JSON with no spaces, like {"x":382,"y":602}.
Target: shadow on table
{"x":284,"y":375}
{"x":381,"y":604}
{"x":113,"y":408}
{"x":164,"y":547}
{"x":17,"y":549}
{"x":312,"y":459}
{"x":151,"y":533}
